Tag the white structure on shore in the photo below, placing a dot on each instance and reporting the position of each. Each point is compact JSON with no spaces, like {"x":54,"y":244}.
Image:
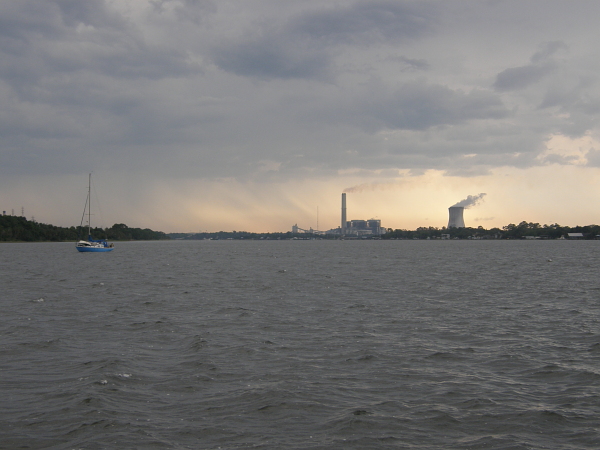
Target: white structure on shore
{"x":456,"y":219}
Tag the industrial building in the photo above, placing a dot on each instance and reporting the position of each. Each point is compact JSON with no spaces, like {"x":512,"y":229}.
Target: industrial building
{"x":350,"y":228}
{"x":296,"y":229}
{"x":371,"y":227}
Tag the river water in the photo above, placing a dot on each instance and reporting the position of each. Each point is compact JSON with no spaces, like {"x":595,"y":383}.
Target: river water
{"x":301,"y":345}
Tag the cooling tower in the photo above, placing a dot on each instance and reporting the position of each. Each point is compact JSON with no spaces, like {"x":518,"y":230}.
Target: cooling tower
{"x":344,"y":213}
{"x":456,"y":219}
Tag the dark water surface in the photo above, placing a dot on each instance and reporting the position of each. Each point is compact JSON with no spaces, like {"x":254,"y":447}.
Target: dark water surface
{"x":301,"y":345}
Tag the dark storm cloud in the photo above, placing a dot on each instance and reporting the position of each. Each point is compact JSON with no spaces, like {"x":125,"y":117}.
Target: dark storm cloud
{"x":547,"y":50}
{"x":577,"y":100}
{"x":419,"y":105}
{"x":303,"y":46}
{"x":413,"y":64}
{"x":593,"y":157}
{"x":43,"y":39}
{"x":365,"y":22}
{"x":541,"y":65}
{"x":194,"y":11}
{"x":89,"y":12}
{"x":269,"y":56}
{"x":76,"y":77}
{"x":520,"y":77}
{"x":28,"y":22}
{"x":580,"y":97}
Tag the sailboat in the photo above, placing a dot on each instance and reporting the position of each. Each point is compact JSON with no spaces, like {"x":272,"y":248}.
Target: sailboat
{"x":91,"y":245}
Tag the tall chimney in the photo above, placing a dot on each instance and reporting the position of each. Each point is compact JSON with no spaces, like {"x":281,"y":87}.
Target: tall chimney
{"x":343,"y":213}
{"x":456,"y":219}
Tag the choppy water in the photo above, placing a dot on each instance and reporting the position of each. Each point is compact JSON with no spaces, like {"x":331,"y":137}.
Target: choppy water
{"x":301,"y":345}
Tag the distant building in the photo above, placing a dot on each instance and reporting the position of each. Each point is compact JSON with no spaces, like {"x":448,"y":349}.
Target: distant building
{"x":350,"y":228}
{"x":365,"y":227}
{"x":371,"y":227}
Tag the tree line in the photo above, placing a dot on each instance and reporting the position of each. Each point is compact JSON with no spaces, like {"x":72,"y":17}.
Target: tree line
{"x":523,"y":230}
{"x":15,"y":228}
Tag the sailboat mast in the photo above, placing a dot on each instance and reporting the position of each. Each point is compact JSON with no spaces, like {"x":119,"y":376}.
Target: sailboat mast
{"x":90,"y":207}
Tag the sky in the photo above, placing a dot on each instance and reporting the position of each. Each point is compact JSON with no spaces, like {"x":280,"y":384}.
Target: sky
{"x":255,"y":115}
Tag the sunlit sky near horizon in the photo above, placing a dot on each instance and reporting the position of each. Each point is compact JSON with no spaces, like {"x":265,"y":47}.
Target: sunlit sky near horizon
{"x":201,"y":115}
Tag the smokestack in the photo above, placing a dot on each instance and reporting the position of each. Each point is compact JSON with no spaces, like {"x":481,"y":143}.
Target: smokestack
{"x":456,"y":219}
{"x":344,"y":213}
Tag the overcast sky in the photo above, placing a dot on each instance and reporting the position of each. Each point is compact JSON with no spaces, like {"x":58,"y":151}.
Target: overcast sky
{"x":255,"y":115}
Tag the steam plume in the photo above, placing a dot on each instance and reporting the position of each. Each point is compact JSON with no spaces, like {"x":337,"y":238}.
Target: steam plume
{"x":471,"y":200}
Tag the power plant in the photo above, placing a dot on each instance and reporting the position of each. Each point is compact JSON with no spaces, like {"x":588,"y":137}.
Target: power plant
{"x":456,"y":219}
{"x":455,"y":212}
{"x":372,"y":227}
{"x":348,"y":228}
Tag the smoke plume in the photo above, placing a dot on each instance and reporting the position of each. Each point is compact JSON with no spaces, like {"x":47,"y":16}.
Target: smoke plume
{"x":360,"y":187}
{"x":374,"y":186}
{"x":471,"y":200}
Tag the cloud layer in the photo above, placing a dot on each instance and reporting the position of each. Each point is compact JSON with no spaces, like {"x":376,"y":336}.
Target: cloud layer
{"x":352,"y":93}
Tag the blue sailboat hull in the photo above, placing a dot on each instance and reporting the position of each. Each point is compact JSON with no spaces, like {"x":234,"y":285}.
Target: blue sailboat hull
{"x":94,"y":249}
{"x":94,"y":245}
